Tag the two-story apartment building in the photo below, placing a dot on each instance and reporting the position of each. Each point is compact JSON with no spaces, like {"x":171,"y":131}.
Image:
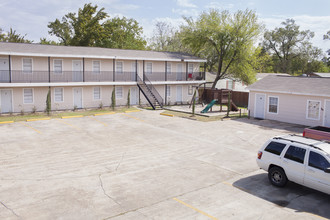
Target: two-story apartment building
{"x":85,"y":77}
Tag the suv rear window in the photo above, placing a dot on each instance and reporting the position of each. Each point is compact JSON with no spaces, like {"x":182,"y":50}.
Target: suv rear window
{"x":275,"y":148}
{"x":296,"y":154}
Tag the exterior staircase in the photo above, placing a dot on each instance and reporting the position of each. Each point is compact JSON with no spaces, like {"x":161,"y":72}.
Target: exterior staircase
{"x":150,"y":92}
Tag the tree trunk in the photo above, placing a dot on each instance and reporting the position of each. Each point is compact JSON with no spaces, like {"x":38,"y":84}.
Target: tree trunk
{"x":217,"y":78}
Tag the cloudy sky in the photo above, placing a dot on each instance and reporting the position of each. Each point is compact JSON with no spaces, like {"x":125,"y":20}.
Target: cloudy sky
{"x":31,"y":17}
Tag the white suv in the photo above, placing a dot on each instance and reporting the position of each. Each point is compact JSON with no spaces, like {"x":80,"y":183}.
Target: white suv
{"x":298,"y":159}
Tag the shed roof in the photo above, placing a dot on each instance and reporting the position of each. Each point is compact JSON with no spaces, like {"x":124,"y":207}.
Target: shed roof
{"x":293,"y":85}
{"x":24,"y":49}
{"x":321,"y":74}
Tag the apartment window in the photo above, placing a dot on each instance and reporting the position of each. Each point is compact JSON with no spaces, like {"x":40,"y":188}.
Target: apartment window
{"x":149,"y":68}
{"x":168,"y":91}
{"x":96,"y":67}
{"x":97,"y":93}
{"x":169,"y":68}
{"x":119,"y":92}
{"x":28,"y":96}
{"x":58,"y":66}
{"x":119,"y":67}
{"x":273,"y":105}
{"x":27,"y":65}
{"x":58,"y":94}
{"x":190,"y":90}
{"x":230,"y":84}
{"x":190,"y":68}
{"x":313,"y":109}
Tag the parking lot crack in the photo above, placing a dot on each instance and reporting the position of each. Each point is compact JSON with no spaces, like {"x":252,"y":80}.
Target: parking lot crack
{"x":12,"y":211}
{"x":105,"y":193}
{"x":121,"y":160}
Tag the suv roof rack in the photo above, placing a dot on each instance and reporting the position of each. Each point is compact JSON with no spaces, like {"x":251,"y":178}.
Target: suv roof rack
{"x":299,"y":142}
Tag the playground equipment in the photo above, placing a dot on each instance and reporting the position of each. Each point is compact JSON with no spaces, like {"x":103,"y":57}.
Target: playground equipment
{"x":223,"y":97}
{"x":206,"y":109}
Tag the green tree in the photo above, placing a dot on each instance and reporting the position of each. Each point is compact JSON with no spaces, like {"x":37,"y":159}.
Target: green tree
{"x":90,"y":27}
{"x":225,"y":40}
{"x":48,"y":42}
{"x":289,"y":45}
{"x":13,"y":36}
{"x":261,"y":61}
{"x":82,"y":29}
{"x":123,"y":33}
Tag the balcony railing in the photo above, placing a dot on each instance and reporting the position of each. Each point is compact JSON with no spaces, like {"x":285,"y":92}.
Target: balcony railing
{"x":15,"y":76}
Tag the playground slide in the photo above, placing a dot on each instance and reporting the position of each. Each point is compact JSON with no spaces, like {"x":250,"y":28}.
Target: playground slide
{"x":207,"y":108}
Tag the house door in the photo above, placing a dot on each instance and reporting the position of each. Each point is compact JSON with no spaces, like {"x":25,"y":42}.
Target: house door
{"x":77,"y":71}
{"x":327,"y":113}
{"x":259,"y":111}
{"x":133,"y":75}
{"x":179,"y":72}
{"x":6,"y":101}
{"x":77,"y":97}
{"x":134,"y":95}
{"x":4,"y":70}
{"x":179,"y":94}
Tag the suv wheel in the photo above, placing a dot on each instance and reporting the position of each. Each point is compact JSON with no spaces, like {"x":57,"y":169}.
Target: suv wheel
{"x":277,"y":177}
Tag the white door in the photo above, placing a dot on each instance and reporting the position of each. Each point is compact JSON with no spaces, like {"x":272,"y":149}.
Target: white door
{"x":134,"y":96}
{"x":179,"y":93}
{"x":327,"y":113}
{"x":4,"y":70}
{"x":77,"y":71}
{"x":6,"y":101}
{"x":179,"y":72}
{"x":77,"y":97}
{"x":260,"y":101}
{"x":133,"y":76}
{"x":293,"y":163}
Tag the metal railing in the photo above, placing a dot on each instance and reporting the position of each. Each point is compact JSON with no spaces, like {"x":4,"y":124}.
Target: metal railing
{"x":151,"y":93}
{"x":17,"y":76}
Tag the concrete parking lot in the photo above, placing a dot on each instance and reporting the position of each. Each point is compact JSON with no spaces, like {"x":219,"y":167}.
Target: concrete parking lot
{"x":142,"y":165}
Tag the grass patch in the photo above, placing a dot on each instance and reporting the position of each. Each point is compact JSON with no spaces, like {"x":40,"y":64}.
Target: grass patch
{"x":203,"y":118}
{"x":39,"y":115}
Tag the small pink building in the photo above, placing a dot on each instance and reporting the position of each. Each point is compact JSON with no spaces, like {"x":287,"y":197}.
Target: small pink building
{"x":84,"y":77}
{"x":298,"y":100}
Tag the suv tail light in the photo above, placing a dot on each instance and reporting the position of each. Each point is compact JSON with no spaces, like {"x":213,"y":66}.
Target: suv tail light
{"x":304,"y":133}
{"x":259,"y":155}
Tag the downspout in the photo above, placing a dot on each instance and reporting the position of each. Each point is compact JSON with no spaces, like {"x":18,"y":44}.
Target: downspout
{"x":9,"y":63}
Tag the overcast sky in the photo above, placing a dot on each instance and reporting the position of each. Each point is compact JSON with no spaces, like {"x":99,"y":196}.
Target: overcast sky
{"x":31,"y":17}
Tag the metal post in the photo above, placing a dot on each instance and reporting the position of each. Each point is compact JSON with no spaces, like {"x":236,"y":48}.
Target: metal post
{"x":83,"y":69}
{"x":9,"y":63}
{"x":187,"y":71}
{"x":204,"y":71}
{"x":165,"y":94}
{"x":165,"y":72}
{"x":136,"y":70}
{"x":143,"y":71}
{"x":114,"y":69}
{"x":49,"y":69}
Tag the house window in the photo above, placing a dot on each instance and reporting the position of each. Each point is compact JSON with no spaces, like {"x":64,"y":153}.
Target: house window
{"x":168,"y":91}
{"x":190,"y":90}
{"x":97,"y":93}
{"x":149,"y":68}
{"x":27,"y":65}
{"x":190,"y":68}
{"x":273,"y":105}
{"x":28,"y":96}
{"x":313,"y":109}
{"x":230,"y":84}
{"x":96,"y":67}
{"x":58,"y":94}
{"x":119,"y":67}
{"x":119,"y":92}
{"x":169,"y":68}
{"x":58,"y":65}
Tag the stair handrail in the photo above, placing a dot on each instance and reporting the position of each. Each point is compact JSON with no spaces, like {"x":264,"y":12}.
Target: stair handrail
{"x":152,"y":89}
